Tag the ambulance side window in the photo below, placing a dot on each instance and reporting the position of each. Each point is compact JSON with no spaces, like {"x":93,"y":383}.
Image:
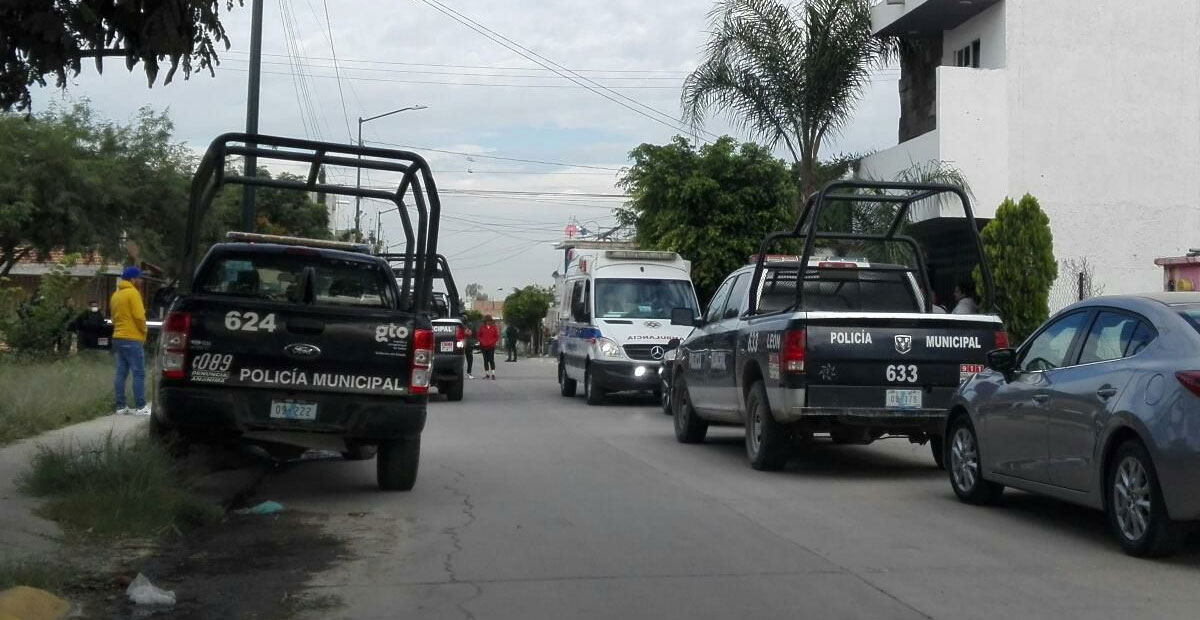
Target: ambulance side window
{"x":579,"y":301}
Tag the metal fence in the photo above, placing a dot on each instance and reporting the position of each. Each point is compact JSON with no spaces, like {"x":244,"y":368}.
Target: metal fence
{"x":1076,"y":282}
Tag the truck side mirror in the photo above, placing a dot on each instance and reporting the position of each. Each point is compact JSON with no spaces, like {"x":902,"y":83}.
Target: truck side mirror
{"x":1003,"y":361}
{"x":683,"y":316}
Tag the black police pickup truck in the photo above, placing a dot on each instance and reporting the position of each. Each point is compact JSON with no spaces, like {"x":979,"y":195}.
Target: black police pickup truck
{"x":299,"y":344}
{"x":449,"y":330}
{"x":857,"y":351}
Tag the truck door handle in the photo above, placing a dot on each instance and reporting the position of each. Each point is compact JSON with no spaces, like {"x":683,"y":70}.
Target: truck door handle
{"x":308,"y":327}
{"x":1106,"y":392}
{"x":1041,"y":398}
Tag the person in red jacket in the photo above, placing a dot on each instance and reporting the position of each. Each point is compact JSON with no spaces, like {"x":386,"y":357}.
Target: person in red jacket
{"x":489,"y":337}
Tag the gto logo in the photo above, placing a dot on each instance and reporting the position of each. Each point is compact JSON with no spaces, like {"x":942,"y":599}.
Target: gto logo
{"x":391,"y":331}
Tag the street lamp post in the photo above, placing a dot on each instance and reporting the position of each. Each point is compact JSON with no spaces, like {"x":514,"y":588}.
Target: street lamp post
{"x":358,"y":176}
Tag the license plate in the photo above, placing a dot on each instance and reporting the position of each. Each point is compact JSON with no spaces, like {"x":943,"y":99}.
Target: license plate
{"x":904,"y":399}
{"x":293,"y":410}
{"x":448,"y":346}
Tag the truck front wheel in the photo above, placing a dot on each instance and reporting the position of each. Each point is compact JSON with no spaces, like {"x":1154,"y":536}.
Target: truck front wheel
{"x":766,"y":440}
{"x":396,"y":466}
{"x":454,"y":390}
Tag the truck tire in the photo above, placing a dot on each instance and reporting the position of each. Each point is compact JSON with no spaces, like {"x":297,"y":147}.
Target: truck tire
{"x":454,"y":390}
{"x":767,"y":443}
{"x":566,"y":385}
{"x":396,"y":467}
{"x":689,"y":427}
{"x":594,"y":393}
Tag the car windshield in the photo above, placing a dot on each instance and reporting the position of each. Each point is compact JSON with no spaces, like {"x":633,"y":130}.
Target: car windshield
{"x":642,"y":299}
{"x":281,"y":277}
{"x":844,"y":290}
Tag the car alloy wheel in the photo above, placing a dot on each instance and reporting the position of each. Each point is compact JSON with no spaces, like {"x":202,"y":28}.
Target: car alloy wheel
{"x":1132,"y":499}
{"x":964,"y":459}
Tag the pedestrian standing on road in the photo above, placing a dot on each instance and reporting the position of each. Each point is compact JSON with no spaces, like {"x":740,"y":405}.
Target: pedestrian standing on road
{"x":90,"y":326}
{"x":510,"y":337}
{"x":964,"y":298}
{"x":129,"y":338}
{"x":489,"y":337}
{"x":469,"y":345}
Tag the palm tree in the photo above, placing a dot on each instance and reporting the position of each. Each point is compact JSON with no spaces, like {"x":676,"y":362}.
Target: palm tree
{"x":789,"y":74}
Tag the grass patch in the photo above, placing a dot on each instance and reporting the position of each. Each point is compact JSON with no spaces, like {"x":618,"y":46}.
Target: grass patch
{"x":35,"y":574}
{"x":115,"y":488}
{"x":42,"y":395}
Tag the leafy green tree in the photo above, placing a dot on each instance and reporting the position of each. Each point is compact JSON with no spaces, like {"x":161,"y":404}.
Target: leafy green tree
{"x":713,"y":205}
{"x":526,"y":307}
{"x":1020,"y":250}
{"x":38,"y":326}
{"x":789,"y":74}
{"x":42,"y":39}
{"x":277,"y":211}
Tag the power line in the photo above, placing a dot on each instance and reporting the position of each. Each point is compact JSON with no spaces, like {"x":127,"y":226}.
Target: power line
{"x":435,"y":83}
{"x":497,"y":157}
{"x":484,"y":67}
{"x":336,"y":71}
{"x":550,"y":65}
{"x":460,"y":73}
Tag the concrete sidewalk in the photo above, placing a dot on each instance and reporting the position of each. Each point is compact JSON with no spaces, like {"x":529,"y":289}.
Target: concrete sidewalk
{"x":22,"y":533}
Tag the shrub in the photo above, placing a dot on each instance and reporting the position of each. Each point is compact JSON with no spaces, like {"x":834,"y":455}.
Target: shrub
{"x":1020,"y":250}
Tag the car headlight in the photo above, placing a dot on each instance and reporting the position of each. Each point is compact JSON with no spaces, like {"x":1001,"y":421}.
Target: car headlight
{"x":608,"y":348}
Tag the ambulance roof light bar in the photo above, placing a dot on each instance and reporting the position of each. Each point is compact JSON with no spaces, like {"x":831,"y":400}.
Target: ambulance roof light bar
{"x":245,"y":237}
{"x":641,"y":255}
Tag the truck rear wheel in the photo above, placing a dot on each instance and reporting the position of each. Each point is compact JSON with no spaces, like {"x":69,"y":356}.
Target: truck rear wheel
{"x":454,"y":390}
{"x":566,"y":385}
{"x":396,"y":467}
{"x":689,"y":427}
{"x":766,"y":440}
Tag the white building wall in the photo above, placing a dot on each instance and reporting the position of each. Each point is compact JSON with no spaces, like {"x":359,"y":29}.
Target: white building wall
{"x":972,"y":116}
{"x":1104,"y":129}
{"x":989,"y":28}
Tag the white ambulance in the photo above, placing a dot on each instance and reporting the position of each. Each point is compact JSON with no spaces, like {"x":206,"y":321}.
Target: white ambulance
{"x":614,"y":319}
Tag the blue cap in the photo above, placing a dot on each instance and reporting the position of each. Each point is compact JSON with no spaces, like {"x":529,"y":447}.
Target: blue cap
{"x":131,"y":273}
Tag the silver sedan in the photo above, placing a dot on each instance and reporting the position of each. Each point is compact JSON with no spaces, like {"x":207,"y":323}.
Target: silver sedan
{"x":1100,"y":407}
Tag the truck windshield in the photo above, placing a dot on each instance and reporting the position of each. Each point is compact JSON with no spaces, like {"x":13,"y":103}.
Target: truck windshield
{"x":642,"y":299}
{"x":840,"y":290}
{"x":279,"y":277}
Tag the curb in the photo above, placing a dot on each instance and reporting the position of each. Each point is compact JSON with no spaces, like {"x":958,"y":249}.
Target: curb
{"x":25,"y":603}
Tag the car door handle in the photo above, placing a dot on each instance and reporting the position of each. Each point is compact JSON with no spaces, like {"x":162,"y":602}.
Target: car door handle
{"x":1041,"y":398}
{"x":1106,"y":392}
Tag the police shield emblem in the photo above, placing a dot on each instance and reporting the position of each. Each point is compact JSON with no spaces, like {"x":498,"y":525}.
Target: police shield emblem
{"x":903,"y":344}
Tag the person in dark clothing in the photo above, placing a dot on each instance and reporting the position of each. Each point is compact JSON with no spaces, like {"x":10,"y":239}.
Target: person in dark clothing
{"x":510,"y":338}
{"x":91,"y":327}
{"x":469,"y":350}
{"x":489,"y":337}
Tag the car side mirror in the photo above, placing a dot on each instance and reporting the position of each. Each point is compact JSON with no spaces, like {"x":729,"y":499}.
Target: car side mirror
{"x":683,"y":316}
{"x":672,"y":344}
{"x":1003,"y":361}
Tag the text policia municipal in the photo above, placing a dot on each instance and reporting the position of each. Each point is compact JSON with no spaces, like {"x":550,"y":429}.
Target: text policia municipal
{"x":321,"y":379}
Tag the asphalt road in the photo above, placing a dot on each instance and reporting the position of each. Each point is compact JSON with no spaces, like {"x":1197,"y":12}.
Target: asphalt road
{"x":530,"y":506}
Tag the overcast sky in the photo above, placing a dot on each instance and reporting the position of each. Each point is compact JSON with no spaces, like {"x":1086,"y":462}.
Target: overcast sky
{"x":395,"y":53}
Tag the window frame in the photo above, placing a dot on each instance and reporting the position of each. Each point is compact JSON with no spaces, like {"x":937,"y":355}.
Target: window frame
{"x":740,"y":307}
{"x":1072,"y":351}
{"x":1096,"y":312}
{"x":726,"y":288}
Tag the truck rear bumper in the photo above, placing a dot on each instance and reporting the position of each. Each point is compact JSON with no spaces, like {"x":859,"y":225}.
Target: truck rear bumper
{"x":230,"y":412}
{"x":793,"y":408}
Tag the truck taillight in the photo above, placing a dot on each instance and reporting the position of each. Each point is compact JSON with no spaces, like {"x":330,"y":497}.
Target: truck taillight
{"x":794,"y":342}
{"x":460,"y":336}
{"x":422,"y":359}
{"x":1001,"y":341}
{"x":173,"y":344}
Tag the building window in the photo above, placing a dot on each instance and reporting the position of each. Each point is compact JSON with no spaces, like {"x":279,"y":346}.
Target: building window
{"x":968,"y":56}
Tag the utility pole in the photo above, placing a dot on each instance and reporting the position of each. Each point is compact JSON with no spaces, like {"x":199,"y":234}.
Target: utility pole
{"x":252,"y":112}
{"x":358,"y":174}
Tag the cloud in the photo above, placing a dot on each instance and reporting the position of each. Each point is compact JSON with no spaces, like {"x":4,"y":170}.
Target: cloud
{"x":498,"y":241}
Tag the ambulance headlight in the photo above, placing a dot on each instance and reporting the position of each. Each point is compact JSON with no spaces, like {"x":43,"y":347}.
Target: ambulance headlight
{"x":608,"y":348}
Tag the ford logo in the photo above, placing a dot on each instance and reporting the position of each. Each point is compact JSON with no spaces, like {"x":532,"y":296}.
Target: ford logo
{"x":657,"y":352}
{"x":302,"y":350}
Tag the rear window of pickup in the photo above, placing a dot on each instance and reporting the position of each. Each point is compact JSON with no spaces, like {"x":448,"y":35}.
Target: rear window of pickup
{"x":840,"y":290}
{"x":298,"y":278}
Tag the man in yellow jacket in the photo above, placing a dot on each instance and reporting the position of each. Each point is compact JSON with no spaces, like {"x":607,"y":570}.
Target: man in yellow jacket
{"x":129,"y":338}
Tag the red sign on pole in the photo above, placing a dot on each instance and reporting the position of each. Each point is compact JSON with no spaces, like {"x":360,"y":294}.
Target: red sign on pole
{"x":571,"y":230}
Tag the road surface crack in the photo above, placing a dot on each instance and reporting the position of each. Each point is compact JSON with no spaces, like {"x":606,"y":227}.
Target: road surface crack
{"x":454,"y":533}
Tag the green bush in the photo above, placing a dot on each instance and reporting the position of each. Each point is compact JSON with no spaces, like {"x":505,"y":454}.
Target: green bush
{"x":115,"y":488}
{"x":33,"y":327}
{"x":1020,"y":250}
